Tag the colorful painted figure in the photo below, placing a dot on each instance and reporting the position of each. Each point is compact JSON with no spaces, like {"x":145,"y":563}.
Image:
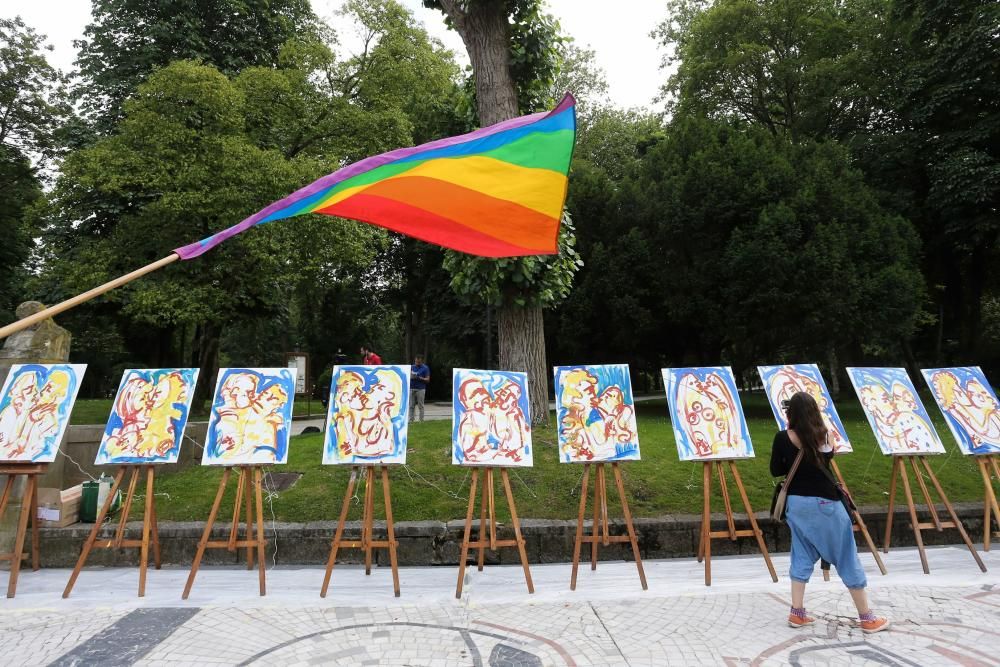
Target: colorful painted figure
{"x":251,"y":415}
{"x":490,"y":418}
{"x":595,"y":414}
{"x":895,"y":414}
{"x":780,"y":382}
{"x":970,"y":407}
{"x":367,"y":418}
{"x":706,"y":414}
{"x":35,"y":404}
{"x":149,"y":416}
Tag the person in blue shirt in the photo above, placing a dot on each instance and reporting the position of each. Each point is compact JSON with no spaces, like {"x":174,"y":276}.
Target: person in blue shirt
{"x":420,"y":375}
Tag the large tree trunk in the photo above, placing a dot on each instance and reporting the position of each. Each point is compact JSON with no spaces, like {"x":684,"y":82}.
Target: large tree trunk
{"x":207,"y":349}
{"x":522,"y":348}
{"x":485,"y":30}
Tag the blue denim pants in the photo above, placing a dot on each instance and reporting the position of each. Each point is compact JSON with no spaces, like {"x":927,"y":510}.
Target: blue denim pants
{"x":821,"y":528}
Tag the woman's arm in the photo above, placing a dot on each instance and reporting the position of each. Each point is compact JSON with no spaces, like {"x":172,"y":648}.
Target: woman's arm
{"x":779,"y":465}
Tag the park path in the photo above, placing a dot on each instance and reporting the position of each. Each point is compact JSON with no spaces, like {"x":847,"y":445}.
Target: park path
{"x":946,"y":618}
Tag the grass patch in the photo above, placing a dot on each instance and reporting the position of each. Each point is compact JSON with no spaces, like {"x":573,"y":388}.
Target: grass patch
{"x":430,"y":487}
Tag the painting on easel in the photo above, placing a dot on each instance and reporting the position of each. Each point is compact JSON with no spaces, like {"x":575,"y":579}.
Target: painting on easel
{"x":895,"y":412}
{"x":491,"y":424}
{"x":251,"y":416}
{"x":149,"y":416}
{"x":706,"y":414}
{"x":780,"y":382}
{"x":969,"y":405}
{"x":35,"y":404}
{"x":596,"y":414}
{"x":367,"y":418}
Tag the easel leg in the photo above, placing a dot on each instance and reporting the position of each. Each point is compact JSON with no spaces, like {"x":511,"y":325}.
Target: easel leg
{"x":517,"y":530}
{"x":390,"y":530}
{"x":913,"y":517}
{"x":896,"y":463}
{"x":730,"y":520}
{"x":144,"y":549}
{"x":753,"y":521}
{"x":126,"y":507}
{"x":482,"y":528}
{"x":491,"y":499}
{"x":579,"y":526}
{"x":706,"y":523}
{"x":468,"y":530}
{"x":234,"y":526}
{"x":335,"y":546}
{"x":951,"y":513}
{"x":35,"y":540}
{"x":89,"y":544}
{"x":259,"y":484}
{"x":595,"y":529}
{"x":204,"y":535}
{"x":927,"y":497}
{"x":154,"y":528}
{"x":22,"y":528}
{"x":248,"y":522}
{"x":605,"y":533}
{"x":5,"y":498}
{"x":989,"y":503}
{"x":366,"y":520}
{"x":628,"y":525}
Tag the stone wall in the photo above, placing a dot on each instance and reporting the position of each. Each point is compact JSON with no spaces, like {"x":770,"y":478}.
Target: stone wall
{"x":439,"y":543}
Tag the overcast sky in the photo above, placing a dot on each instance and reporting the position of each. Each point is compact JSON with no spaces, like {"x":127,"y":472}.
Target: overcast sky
{"x":620,"y":37}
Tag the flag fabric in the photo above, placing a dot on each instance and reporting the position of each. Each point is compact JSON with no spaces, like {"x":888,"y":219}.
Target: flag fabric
{"x":495,"y":192}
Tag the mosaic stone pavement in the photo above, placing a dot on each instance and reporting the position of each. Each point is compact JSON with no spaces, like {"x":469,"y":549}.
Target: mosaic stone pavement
{"x":951,"y":617}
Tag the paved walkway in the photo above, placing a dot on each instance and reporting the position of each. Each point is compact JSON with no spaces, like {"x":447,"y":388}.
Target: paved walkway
{"x":946,"y":618}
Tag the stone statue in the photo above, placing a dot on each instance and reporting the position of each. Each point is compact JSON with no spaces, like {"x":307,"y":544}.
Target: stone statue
{"x":43,"y":343}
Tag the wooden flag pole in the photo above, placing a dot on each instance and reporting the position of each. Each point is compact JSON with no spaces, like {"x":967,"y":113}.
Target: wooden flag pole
{"x":52,"y":311}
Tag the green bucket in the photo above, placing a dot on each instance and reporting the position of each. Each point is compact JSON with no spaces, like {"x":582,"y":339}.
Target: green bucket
{"x":89,"y":500}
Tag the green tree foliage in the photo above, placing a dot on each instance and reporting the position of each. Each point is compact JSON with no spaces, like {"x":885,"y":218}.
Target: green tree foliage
{"x":797,"y":67}
{"x":939,"y":154}
{"x":128,"y":39}
{"x":727,"y":242}
{"x":32,"y":104}
{"x":179,"y":167}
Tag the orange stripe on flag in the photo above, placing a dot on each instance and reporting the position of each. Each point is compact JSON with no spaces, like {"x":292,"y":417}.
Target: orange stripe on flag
{"x":424,"y":225}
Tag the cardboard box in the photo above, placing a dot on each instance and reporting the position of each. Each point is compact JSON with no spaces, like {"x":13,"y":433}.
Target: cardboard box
{"x":57,"y":509}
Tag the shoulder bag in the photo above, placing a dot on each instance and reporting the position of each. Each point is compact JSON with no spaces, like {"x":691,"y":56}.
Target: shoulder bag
{"x":781,"y":491}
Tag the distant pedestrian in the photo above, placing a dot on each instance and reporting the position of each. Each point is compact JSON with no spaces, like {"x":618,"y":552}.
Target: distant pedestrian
{"x":369,"y":357}
{"x":820,"y":524}
{"x":420,"y":375}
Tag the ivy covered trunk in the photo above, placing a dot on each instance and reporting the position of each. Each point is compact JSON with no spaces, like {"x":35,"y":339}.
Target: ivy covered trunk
{"x":522,"y":348}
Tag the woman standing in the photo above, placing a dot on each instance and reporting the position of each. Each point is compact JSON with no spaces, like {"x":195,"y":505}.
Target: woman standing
{"x":821,"y":527}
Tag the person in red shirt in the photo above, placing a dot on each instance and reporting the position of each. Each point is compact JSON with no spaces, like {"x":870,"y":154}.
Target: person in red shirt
{"x":368,"y":356}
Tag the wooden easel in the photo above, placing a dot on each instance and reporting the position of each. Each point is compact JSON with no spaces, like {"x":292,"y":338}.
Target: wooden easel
{"x":487,"y":506}
{"x":899,"y":470}
{"x":149,"y":531}
{"x":600,"y":533}
{"x":367,"y":541}
{"x":707,"y":534}
{"x":29,"y":508}
{"x":254,"y":510}
{"x":990,"y":508}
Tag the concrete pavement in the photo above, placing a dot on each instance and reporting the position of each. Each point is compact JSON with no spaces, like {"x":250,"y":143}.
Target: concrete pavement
{"x":945,"y":618}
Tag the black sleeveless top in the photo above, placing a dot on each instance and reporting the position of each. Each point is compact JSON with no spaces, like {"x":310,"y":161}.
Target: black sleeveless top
{"x":809,"y":480}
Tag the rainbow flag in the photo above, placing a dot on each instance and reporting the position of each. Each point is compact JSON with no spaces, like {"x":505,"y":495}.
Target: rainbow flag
{"x":495,"y":192}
